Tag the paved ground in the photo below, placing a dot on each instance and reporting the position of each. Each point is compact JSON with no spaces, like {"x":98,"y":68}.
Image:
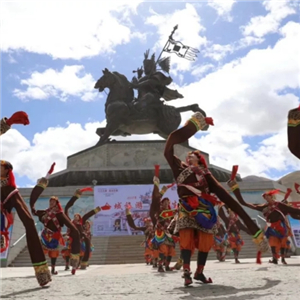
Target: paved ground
{"x":138,"y":282}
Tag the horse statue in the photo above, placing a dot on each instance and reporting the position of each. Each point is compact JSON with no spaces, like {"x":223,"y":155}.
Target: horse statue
{"x":125,"y":118}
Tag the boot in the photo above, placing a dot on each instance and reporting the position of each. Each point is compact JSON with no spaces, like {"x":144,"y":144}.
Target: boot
{"x":187,"y":277}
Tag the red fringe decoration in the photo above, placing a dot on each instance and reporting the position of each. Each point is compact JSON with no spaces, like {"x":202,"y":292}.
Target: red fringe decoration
{"x":200,"y":157}
{"x":287,"y":194}
{"x":156,"y":173}
{"x":273,"y":192}
{"x":51,"y":169}
{"x":234,"y":172}
{"x":209,"y":121}
{"x":19,"y":117}
{"x":170,"y":185}
{"x":11,"y":179}
{"x":299,"y":107}
{"x":297,"y":186}
{"x":86,"y":189}
{"x":258,"y":258}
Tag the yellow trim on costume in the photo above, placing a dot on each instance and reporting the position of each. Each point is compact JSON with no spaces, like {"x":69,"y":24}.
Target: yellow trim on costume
{"x":293,"y":122}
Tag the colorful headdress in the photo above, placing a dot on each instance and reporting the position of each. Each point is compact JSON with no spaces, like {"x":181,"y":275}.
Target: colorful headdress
{"x":10,"y":175}
{"x":201,"y":158}
{"x":57,"y":202}
{"x":165,"y":199}
{"x":77,"y":221}
{"x":270,"y":193}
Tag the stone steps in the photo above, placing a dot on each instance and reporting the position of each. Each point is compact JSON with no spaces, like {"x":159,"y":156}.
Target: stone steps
{"x":127,"y":250}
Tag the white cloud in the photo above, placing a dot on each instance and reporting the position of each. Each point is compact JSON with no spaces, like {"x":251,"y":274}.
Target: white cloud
{"x":222,"y":7}
{"x":260,"y":26}
{"x":68,"y":30}
{"x":227,"y":148}
{"x":243,"y":94}
{"x":189,"y":32}
{"x":70,"y":81}
{"x":217,"y":52}
{"x":202,"y":69}
{"x":33,"y":158}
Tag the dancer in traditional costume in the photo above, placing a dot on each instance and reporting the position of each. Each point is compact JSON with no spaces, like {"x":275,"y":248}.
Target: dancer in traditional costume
{"x":11,"y":198}
{"x":197,"y":216}
{"x":294,"y":131}
{"x":221,"y":245}
{"x":233,"y":228}
{"x":87,"y":230}
{"x":54,"y":219}
{"x":78,"y":221}
{"x":148,"y":232}
{"x":278,"y":229}
{"x":162,"y":215}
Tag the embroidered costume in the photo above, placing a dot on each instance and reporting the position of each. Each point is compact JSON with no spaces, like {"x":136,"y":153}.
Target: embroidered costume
{"x":149,"y":234}
{"x":162,"y":215}
{"x":277,"y":230}
{"x":197,"y":217}
{"x":54,"y":219}
{"x":78,"y":221}
{"x":221,"y":245}
{"x":11,"y":199}
{"x":233,"y":226}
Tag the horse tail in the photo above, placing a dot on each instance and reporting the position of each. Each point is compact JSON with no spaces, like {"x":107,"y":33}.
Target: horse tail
{"x":169,"y":119}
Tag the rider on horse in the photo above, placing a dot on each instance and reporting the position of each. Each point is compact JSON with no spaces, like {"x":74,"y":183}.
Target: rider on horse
{"x":152,"y":86}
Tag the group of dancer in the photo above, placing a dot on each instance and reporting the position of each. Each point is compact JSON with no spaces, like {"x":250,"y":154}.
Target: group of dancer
{"x":194,"y":225}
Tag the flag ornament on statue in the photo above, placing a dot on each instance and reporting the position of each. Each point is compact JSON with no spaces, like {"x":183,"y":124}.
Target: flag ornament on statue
{"x":179,"y":48}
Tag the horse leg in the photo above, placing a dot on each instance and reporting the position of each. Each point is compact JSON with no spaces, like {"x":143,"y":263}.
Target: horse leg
{"x":108,"y":131}
{"x":193,"y":108}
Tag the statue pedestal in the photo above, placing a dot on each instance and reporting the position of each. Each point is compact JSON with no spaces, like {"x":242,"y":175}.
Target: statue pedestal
{"x":123,"y":162}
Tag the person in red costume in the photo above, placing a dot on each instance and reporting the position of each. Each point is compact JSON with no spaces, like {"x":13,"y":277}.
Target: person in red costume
{"x":195,"y":186}
{"x":275,"y":213}
{"x":79,"y":221}
{"x":11,"y":198}
{"x":293,"y":131}
{"x":221,"y":244}
{"x":148,"y":231}
{"x":233,"y":228}
{"x":54,"y":218}
{"x":162,"y":215}
{"x":19,"y":117}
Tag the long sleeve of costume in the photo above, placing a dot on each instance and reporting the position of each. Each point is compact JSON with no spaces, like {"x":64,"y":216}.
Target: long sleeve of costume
{"x":223,"y":216}
{"x":90,"y":214}
{"x":286,"y":209}
{"x":293,"y":131}
{"x":237,"y":193}
{"x":70,"y":203}
{"x":35,"y":194}
{"x":155,"y":203}
{"x":178,"y":136}
{"x":225,"y":197}
{"x":131,"y":224}
{"x":242,"y":227}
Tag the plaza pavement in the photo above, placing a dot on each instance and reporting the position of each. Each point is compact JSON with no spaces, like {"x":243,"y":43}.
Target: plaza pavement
{"x":139,"y":282}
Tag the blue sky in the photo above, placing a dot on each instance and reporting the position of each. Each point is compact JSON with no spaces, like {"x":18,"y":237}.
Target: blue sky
{"x":246,"y":76}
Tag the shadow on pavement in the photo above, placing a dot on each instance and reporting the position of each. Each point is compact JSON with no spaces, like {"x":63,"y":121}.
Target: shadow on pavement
{"x":216,"y":290}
